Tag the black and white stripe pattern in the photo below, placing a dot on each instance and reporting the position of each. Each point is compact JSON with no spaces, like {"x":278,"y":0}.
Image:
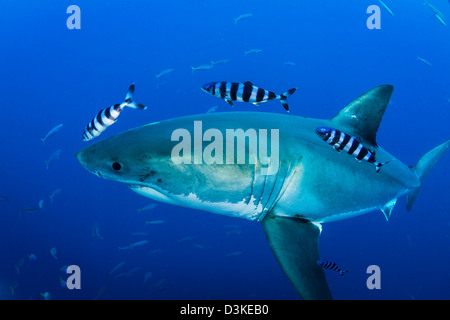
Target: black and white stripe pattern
{"x":104,"y":119}
{"x":331,"y":266}
{"x":245,"y":92}
{"x":107,"y":117}
{"x":342,"y":141}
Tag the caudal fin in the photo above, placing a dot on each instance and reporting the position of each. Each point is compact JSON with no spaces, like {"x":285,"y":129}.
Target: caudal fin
{"x":283,"y":98}
{"x":129,"y":99}
{"x":423,"y":167}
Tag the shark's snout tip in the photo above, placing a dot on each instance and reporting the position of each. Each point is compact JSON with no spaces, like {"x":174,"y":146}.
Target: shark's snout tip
{"x":77,"y":156}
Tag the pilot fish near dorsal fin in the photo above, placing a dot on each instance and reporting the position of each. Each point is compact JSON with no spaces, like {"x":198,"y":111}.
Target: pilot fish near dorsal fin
{"x":361,"y":118}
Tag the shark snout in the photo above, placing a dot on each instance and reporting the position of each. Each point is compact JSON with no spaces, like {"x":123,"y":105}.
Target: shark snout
{"x":77,"y":156}
{"x":81,"y":159}
{"x":80,"y":156}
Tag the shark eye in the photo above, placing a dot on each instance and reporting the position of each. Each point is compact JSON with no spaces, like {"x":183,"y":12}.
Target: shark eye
{"x":116,"y":166}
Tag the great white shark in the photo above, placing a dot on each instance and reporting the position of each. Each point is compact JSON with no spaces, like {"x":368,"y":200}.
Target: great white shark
{"x":312,"y":183}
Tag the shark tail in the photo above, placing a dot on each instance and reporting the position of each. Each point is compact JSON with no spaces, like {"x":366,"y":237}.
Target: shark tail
{"x":283,"y":98}
{"x":129,"y":99}
{"x":423,"y":167}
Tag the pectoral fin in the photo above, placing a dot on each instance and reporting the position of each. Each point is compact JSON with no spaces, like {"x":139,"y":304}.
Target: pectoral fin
{"x":294,"y":243}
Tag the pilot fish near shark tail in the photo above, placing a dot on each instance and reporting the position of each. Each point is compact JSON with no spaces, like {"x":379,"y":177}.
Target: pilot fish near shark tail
{"x":245,"y":92}
{"x":351,"y":145}
{"x":107,"y":117}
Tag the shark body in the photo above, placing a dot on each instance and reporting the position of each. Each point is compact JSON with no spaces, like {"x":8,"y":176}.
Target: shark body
{"x":312,"y":184}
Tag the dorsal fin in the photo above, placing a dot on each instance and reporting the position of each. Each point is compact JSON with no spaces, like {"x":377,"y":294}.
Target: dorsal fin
{"x":362,"y":116}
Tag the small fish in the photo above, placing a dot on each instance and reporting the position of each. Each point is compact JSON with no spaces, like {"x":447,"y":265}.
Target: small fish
{"x":4,"y":198}
{"x":41,"y":204}
{"x":242,"y":16}
{"x":147,"y":276}
{"x":133,"y":245}
{"x":252,"y":51}
{"x":52,"y":132}
{"x":53,"y":156}
{"x":150,"y":206}
{"x":220,"y":61}
{"x":31,"y":257}
{"x":289,"y":63}
{"x":202,"y":67}
{"x":96,"y":232}
{"x":212,"y":109}
{"x":201,"y":246}
{"x":141,"y":234}
{"x":29,"y":210}
{"x":342,"y":141}
{"x":155,"y":251}
{"x":246,"y":92}
{"x":54,"y":194}
{"x":62,"y":282}
{"x":107,"y":117}
{"x":19,"y":265}
{"x":235,"y":253}
{"x":100,"y":292}
{"x":165,"y":72}
{"x":53,"y":253}
{"x":46,"y":295}
{"x":439,"y":18}
{"x":117,"y":267}
{"x":424,"y":61}
{"x":434,"y":9}
{"x":188,"y":238}
{"x":232,"y":230}
{"x":139,"y":243}
{"x":331,"y":266}
{"x":154,"y":222}
{"x":13,"y":287}
{"x":386,"y":7}
{"x":129,"y":273}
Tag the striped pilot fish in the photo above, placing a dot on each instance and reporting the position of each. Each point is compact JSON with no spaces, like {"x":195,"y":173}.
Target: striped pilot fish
{"x":107,"y":117}
{"x":331,"y":266}
{"x":247,"y":92}
{"x":349,"y":144}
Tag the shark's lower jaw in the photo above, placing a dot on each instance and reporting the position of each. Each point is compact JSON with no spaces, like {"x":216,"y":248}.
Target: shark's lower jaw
{"x":151,"y":193}
{"x":247,"y":209}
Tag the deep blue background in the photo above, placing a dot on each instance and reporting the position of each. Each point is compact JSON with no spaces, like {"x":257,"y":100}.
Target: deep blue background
{"x":51,"y":75}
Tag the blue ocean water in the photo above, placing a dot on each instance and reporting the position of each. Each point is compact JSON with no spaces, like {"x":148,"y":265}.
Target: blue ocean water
{"x":52,"y":75}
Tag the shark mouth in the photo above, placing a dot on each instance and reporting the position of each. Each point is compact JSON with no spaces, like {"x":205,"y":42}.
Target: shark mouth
{"x":150,"y":193}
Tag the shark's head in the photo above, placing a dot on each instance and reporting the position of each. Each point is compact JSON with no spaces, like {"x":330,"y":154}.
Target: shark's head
{"x":148,"y":160}
{"x":132,"y":158}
